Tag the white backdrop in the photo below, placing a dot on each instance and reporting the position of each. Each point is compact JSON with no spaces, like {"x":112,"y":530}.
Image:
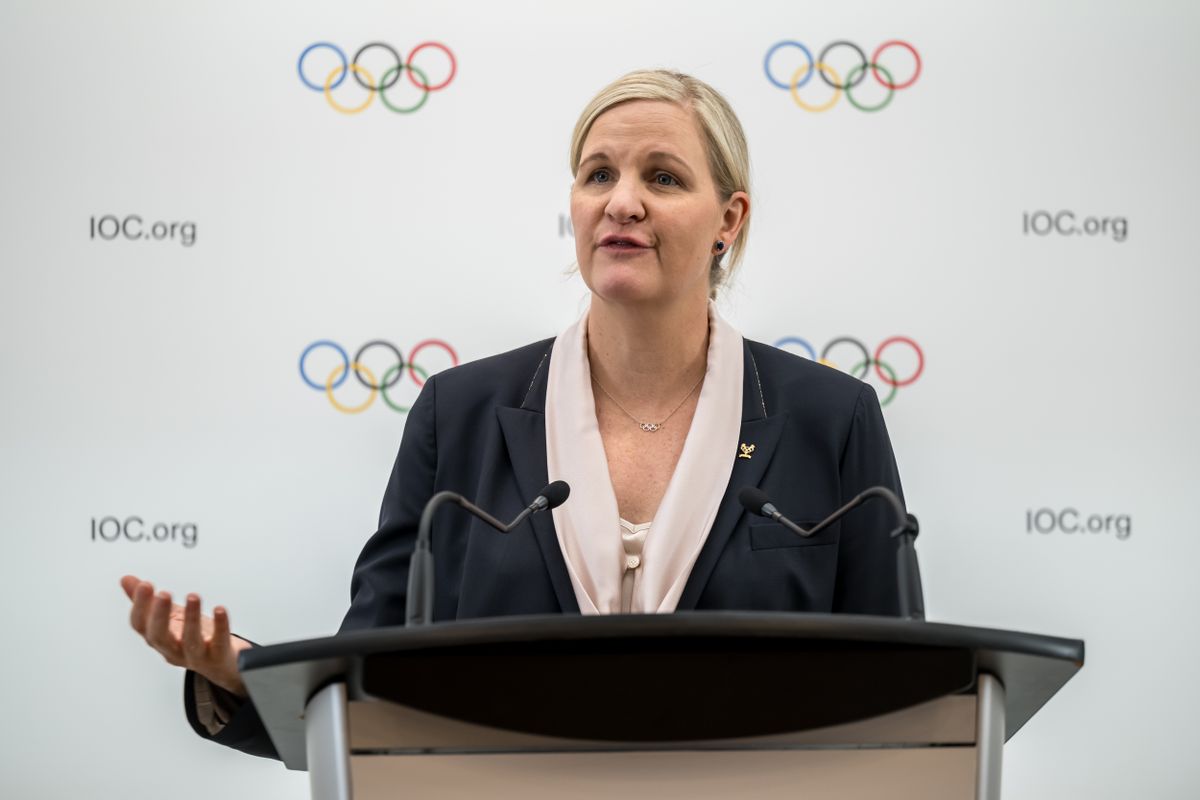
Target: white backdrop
{"x":162,"y":382}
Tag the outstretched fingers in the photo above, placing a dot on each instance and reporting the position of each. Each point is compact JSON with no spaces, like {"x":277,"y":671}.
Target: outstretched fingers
{"x":178,"y":633}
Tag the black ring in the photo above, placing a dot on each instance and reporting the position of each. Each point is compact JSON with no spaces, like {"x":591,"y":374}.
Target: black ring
{"x":395,"y":55}
{"x":848,"y":340}
{"x":358,"y":360}
{"x":821,"y":60}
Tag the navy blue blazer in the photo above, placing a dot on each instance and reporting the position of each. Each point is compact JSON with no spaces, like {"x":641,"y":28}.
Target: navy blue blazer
{"x":479,"y":429}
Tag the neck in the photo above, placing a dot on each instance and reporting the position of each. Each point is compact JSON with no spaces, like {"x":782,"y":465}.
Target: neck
{"x":651,"y":356}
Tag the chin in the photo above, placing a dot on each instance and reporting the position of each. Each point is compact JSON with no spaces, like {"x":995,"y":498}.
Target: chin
{"x":624,"y":285}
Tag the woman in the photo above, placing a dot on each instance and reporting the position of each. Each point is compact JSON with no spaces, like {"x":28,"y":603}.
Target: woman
{"x":651,"y":406}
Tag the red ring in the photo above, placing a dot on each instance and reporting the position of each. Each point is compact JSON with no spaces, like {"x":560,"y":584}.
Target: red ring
{"x":879,"y":356}
{"x":418,"y":347}
{"x":875,"y":61}
{"x":444,"y":49}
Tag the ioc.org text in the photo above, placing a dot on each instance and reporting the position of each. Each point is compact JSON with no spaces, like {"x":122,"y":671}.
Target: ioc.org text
{"x":133,"y":228}
{"x":134,"y":529}
{"x":1072,"y":521}
{"x":1069,"y":224}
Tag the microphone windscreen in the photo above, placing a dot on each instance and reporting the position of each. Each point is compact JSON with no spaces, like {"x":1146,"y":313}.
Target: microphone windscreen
{"x":556,"y":494}
{"x":753,"y":499}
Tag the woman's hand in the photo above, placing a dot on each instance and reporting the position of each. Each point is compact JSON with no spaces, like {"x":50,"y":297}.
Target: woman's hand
{"x":184,"y":636}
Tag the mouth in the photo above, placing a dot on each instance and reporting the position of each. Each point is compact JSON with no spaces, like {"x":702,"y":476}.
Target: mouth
{"x":623,"y":244}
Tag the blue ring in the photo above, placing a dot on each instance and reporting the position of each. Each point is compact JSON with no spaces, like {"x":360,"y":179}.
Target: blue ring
{"x":345,"y":68}
{"x":812,"y":353}
{"x":812,"y":65}
{"x":320,"y":387}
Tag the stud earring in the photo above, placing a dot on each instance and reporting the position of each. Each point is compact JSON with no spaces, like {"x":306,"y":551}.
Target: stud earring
{"x":719,"y":247}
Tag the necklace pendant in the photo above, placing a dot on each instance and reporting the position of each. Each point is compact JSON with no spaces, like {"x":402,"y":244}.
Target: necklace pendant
{"x":650,"y":427}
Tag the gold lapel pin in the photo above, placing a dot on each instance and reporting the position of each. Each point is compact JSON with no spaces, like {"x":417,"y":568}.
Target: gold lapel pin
{"x":746,"y":449}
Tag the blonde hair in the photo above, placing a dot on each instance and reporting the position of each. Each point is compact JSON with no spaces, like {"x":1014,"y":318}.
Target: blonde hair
{"x":724,"y":139}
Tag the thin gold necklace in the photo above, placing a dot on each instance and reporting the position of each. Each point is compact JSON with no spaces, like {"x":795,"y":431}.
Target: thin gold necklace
{"x":648,"y":427}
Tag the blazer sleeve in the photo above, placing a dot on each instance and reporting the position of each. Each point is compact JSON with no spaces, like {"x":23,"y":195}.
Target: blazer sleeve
{"x":242,"y":728}
{"x":378,"y":584}
{"x":243,"y":731}
{"x":866,"y":581}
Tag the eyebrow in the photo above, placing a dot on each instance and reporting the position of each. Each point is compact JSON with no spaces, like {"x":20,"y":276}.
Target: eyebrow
{"x":669,"y":157}
{"x":601,"y":155}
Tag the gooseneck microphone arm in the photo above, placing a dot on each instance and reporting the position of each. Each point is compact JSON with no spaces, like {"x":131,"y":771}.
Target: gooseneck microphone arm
{"x":419,"y":600}
{"x":908,"y":571}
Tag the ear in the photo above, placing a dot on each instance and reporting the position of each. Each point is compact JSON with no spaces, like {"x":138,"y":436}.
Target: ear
{"x":734,"y":216}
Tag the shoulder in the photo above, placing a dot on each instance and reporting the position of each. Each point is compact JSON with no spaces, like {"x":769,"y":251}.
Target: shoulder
{"x":502,"y":379}
{"x":796,"y":384}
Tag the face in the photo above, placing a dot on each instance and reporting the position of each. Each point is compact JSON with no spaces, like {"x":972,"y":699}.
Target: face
{"x":645,"y":209}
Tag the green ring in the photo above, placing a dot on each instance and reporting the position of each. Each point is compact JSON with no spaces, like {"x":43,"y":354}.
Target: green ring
{"x":424,"y":376}
{"x":867,"y":364}
{"x":424,"y":82}
{"x":850,"y":82}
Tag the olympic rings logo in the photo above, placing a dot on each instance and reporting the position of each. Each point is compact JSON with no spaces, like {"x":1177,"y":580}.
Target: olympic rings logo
{"x":853,"y":77}
{"x":366,"y":376}
{"x":864,"y":360}
{"x":387,"y":80}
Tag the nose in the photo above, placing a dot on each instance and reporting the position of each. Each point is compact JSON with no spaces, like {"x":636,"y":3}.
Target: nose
{"x":625,"y":202}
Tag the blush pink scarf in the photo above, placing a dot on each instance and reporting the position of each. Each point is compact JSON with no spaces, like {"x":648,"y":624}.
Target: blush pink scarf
{"x":588,"y":526}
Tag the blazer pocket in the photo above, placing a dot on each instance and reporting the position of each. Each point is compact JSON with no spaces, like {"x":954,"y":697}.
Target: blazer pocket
{"x":769,"y":535}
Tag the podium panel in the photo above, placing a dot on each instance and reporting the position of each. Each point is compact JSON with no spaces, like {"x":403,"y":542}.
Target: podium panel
{"x":898,"y":774}
{"x":926,"y":751}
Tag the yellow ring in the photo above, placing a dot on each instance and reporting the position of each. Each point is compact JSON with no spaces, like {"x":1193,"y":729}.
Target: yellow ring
{"x":355,"y":68}
{"x":337,"y":373}
{"x":821,"y":66}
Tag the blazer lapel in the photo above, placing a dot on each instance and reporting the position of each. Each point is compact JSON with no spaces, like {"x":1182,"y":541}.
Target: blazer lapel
{"x":524,"y":431}
{"x":760,"y":432}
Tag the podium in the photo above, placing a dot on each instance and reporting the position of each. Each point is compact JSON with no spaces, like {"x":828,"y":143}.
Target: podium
{"x":695,"y":705}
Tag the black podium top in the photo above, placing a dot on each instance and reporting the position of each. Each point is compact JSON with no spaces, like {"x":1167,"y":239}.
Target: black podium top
{"x":700,"y":675}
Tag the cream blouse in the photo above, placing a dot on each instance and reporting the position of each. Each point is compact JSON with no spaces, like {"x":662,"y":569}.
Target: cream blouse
{"x":598,"y":561}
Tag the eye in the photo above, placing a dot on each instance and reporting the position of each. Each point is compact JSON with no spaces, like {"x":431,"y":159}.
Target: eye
{"x":665,"y":179}
{"x":600,"y":176}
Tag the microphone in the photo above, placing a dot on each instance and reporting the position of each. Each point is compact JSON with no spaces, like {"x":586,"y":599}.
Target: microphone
{"x":419,"y":600}
{"x":908,"y":572}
